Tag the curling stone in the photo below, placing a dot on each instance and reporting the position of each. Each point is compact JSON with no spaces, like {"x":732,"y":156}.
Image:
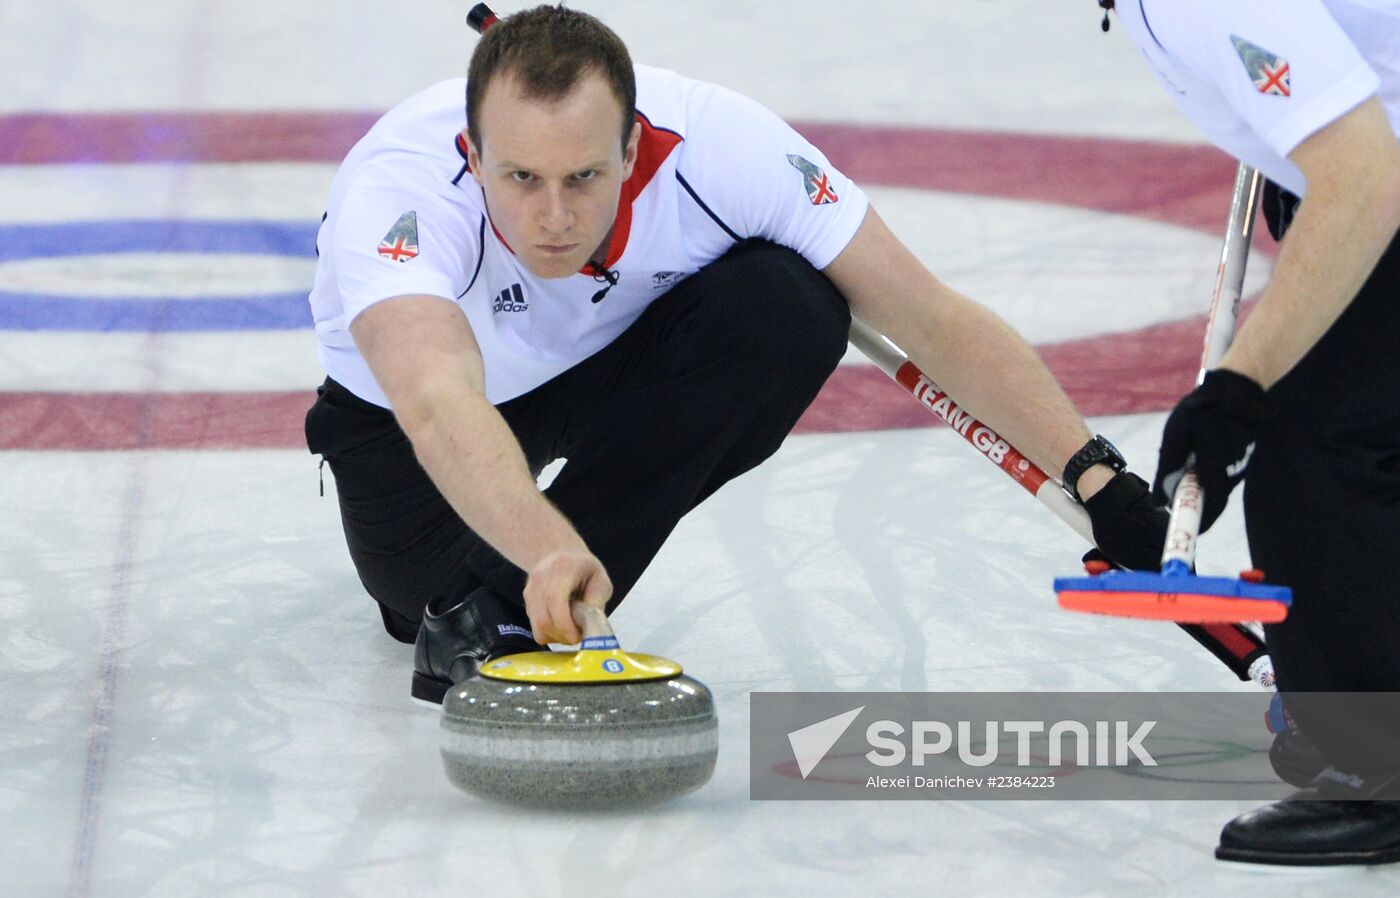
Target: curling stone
{"x":592,"y":729}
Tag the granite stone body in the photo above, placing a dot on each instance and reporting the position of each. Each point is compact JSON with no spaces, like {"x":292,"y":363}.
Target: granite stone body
{"x":576,"y":746}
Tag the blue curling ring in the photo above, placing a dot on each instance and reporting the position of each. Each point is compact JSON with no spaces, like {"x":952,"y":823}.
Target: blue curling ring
{"x":38,"y":311}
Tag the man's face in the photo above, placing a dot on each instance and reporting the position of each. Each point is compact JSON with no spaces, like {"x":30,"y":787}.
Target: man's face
{"x":552,"y":171}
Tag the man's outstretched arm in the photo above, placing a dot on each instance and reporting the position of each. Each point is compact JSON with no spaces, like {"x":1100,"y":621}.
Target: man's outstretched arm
{"x":1350,"y":216}
{"x":1341,"y":230}
{"x":426,"y":359}
{"x":964,"y":347}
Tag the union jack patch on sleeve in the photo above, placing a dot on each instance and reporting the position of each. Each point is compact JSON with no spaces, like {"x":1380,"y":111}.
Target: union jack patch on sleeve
{"x":818,"y":185}
{"x":1267,"y":70}
{"x":401,"y":243}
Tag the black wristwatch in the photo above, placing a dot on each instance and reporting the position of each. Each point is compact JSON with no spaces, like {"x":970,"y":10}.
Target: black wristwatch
{"x":1097,"y":451}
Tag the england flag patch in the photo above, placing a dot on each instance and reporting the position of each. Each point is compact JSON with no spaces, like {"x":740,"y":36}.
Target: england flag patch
{"x":401,"y":243}
{"x":815,"y":180}
{"x":1267,"y":70}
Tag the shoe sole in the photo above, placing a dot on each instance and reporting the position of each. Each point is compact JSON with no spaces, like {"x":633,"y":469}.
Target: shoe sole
{"x":1388,"y":855}
{"x":428,"y":690}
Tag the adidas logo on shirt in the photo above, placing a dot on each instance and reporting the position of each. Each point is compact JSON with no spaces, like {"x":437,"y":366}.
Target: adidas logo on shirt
{"x":511,"y":299}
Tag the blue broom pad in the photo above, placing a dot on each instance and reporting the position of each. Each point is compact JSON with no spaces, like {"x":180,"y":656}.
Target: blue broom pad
{"x":1143,"y":581}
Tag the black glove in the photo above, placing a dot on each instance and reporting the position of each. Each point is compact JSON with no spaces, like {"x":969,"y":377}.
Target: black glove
{"x":1128,"y":526}
{"x":1212,"y":430}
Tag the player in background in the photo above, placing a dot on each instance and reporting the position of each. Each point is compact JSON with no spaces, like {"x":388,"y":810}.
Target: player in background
{"x":1305,"y":405}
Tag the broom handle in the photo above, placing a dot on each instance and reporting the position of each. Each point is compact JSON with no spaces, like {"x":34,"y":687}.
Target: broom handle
{"x":1179,"y":553}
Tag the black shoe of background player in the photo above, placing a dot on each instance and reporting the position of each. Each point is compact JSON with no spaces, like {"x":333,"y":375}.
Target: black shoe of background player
{"x":1342,"y":818}
{"x":1295,"y":758}
{"x":457,"y":637}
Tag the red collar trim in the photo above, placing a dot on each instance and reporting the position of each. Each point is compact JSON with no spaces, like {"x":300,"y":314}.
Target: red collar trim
{"x":655,"y":146}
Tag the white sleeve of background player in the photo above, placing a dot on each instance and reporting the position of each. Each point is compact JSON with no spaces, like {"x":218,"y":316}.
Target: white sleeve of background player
{"x":1287,"y":68}
{"x":387,"y":243}
{"x":763,"y":179}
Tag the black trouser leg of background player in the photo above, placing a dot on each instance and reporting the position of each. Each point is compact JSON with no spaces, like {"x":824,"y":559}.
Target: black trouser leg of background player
{"x":703,"y":387}
{"x":1322,"y":505}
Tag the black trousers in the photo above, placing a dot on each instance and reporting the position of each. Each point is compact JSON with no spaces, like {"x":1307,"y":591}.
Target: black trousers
{"x":701,"y":388}
{"x":1322,"y":509}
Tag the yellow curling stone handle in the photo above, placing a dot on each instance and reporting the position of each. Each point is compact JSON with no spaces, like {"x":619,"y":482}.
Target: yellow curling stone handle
{"x":599,"y":659}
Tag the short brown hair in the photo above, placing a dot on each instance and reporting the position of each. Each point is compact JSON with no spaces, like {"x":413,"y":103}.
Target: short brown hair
{"x":549,"y":49}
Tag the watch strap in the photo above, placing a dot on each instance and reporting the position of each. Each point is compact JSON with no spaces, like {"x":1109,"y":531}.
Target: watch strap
{"x":1096,"y":451}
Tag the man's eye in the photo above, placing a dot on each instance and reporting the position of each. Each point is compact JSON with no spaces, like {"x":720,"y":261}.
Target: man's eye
{"x":521,"y":177}
{"x":585,"y":175}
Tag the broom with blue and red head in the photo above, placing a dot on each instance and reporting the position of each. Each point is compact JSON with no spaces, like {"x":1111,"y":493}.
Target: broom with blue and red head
{"x":1177,"y":593}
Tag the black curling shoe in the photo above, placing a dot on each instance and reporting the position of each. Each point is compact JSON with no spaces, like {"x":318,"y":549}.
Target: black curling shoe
{"x":1316,"y":828}
{"x":458,"y":637}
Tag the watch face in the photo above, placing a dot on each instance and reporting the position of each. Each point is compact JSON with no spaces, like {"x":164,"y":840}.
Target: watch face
{"x":1113,"y":455}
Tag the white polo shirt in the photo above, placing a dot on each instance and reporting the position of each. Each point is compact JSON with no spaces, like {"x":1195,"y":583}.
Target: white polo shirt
{"x":1260,"y":76}
{"x":405,"y":217}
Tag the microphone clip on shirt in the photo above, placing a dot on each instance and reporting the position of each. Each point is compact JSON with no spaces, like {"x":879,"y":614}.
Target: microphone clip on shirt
{"x":602,"y":275}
